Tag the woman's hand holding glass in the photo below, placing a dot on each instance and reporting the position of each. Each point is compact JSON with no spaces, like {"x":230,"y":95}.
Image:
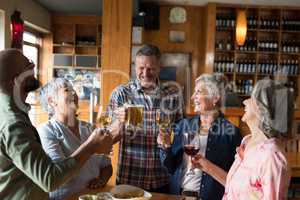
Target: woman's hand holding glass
{"x":199,"y":161}
{"x":191,"y":146}
{"x":101,"y":141}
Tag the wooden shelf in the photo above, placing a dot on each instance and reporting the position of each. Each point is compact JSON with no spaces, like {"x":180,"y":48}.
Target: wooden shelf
{"x":87,"y":68}
{"x":224,"y":51}
{"x":255,"y":35}
{"x":269,"y":30}
{"x":63,"y":45}
{"x":76,"y":47}
{"x":288,"y":31}
{"x":291,"y":54}
{"x":245,"y":52}
{"x":244,"y":74}
{"x":268,"y":52}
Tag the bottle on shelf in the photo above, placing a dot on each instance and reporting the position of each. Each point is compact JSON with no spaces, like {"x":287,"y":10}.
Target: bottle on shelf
{"x":289,"y":67}
{"x":224,"y":64}
{"x":290,"y":24}
{"x":290,"y":46}
{"x":224,"y":22}
{"x":268,"y":45}
{"x":250,"y":44}
{"x":269,"y":24}
{"x":246,"y":66}
{"x":244,"y":87}
{"x":267,"y":67}
{"x":252,"y":22}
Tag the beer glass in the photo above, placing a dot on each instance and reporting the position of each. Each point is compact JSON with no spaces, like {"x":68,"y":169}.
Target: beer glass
{"x":134,"y":115}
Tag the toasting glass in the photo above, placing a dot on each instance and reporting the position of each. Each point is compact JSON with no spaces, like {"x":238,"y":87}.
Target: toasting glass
{"x":104,"y":121}
{"x":163,"y":122}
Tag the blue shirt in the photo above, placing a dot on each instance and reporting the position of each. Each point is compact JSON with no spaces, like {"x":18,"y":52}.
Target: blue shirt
{"x":59,"y":142}
{"x":223,"y":138}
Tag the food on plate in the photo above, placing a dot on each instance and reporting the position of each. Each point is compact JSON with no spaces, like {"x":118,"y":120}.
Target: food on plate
{"x":126,"y":192}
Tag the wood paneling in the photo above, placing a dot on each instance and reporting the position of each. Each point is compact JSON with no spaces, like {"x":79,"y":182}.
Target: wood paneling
{"x":45,"y":70}
{"x":209,"y":37}
{"x":193,"y":28}
{"x":116,"y":44}
{"x":72,"y":19}
{"x":115,"y":54}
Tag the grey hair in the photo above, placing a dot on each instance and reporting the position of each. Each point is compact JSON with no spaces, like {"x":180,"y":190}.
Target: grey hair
{"x":50,"y":90}
{"x":149,"y":50}
{"x":275,"y":105}
{"x":211,"y":83}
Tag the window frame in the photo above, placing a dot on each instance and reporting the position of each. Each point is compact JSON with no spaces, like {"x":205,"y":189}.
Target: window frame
{"x":37,"y":45}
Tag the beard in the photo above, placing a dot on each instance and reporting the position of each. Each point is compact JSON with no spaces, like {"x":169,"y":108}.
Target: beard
{"x":31,"y":84}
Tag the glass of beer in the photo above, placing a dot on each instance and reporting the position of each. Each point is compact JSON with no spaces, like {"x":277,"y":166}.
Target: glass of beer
{"x":134,"y":115}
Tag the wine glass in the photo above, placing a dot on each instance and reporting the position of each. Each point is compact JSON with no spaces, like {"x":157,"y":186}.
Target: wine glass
{"x":104,"y":121}
{"x":191,"y":146}
{"x":164,"y":124}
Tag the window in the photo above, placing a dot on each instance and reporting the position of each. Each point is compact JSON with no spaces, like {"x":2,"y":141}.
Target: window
{"x":31,"y":48}
{"x":2,"y":29}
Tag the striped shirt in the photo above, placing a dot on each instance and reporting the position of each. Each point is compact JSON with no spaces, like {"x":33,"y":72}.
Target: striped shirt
{"x":139,"y":160}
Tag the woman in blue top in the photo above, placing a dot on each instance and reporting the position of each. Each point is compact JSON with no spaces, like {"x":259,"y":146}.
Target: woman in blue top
{"x":63,"y":133}
{"x":215,"y":137}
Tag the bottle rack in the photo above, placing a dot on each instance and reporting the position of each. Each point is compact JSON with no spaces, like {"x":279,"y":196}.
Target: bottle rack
{"x":271,"y":49}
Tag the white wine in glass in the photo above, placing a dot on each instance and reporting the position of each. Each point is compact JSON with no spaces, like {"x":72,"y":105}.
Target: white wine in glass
{"x":104,"y":121}
{"x":164,"y":123}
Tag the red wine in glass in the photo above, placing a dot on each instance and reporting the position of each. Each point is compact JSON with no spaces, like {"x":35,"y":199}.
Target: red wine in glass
{"x":191,"y":150}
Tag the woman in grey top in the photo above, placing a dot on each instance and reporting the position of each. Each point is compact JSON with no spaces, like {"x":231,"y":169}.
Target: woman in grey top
{"x":63,"y":133}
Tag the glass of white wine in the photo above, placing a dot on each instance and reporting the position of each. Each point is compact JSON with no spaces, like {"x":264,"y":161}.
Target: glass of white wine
{"x":163,"y":122}
{"x":104,"y":121}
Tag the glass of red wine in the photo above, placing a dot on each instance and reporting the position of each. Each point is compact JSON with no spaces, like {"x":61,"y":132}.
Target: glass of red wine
{"x":191,"y":146}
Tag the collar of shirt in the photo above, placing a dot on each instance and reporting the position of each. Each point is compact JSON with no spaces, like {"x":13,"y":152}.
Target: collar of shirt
{"x":259,"y":145}
{"x":139,"y":87}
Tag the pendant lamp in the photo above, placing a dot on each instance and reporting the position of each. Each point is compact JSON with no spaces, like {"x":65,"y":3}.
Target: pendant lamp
{"x":241,"y":27}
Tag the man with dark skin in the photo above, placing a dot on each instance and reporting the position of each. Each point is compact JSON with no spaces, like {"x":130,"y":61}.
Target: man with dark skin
{"x":26,"y":172}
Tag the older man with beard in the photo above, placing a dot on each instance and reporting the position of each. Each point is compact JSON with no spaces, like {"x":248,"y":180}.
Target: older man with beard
{"x":26,"y":172}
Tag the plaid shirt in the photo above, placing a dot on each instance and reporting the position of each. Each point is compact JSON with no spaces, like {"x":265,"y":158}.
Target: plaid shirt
{"x":139,"y":160}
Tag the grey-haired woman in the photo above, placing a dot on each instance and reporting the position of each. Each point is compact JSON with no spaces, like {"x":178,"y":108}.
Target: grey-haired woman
{"x":213,"y":135}
{"x":63,"y":133}
{"x":260,"y":169}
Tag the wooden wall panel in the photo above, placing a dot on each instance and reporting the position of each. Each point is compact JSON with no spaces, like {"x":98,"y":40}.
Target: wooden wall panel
{"x":193,"y":44}
{"x":116,"y":45}
{"x":115,"y":53}
{"x":209,"y":37}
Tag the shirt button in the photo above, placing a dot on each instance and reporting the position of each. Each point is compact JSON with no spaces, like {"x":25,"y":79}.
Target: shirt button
{"x":202,"y":186}
{"x":208,"y":149}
